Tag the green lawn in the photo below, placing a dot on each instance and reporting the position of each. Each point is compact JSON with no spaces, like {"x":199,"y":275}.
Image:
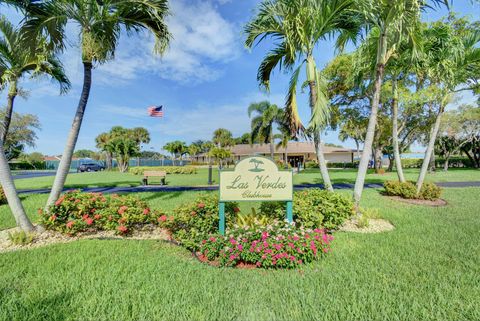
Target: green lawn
{"x":312,"y":176}
{"x":103,"y":179}
{"x":426,"y":269}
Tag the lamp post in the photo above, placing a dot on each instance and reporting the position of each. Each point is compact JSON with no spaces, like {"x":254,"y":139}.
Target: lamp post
{"x":210,"y":174}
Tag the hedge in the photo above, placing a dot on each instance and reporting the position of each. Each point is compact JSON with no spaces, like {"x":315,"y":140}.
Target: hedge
{"x":168,"y":169}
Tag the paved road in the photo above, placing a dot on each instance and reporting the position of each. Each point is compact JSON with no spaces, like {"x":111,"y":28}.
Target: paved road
{"x":32,"y":174}
{"x":137,"y":189}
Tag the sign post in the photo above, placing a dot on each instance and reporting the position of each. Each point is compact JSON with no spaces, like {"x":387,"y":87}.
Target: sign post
{"x":255,"y":179}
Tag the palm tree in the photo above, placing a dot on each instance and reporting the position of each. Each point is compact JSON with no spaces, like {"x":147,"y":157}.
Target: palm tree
{"x":100,"y":25}
{"x":104,"y":143}
{"x":450,"y":53}
{"x":268,"y":115}
{"x":18,"y":60}
{"x":284,"y":137}
{"x":297,"y":27}
{"x":390,"y":22}
{"x":176,"y":148}
{"x":222,"y":138}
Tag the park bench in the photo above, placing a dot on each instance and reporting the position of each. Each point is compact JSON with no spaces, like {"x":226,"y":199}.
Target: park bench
{"x":161,"y":174}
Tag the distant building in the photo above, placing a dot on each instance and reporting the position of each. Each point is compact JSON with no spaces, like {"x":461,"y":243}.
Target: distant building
{"x":297,"y":152}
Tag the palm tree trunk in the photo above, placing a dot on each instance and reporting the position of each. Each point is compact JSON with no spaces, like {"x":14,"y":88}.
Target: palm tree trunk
{"x":12,"y":93}
{"x":272,"y":146}
{"x":429,"y":150}
{"x":11,"y":194}
{"x":321,"y":161}
{"x":372,"y":122}
{"x":311,"y":70}
{"x":109,"y":160}
{"x":396,"y":149}
{"x":64,"y":166}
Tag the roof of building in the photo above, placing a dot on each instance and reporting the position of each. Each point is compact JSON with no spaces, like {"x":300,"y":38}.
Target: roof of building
{"x":292,"y":148}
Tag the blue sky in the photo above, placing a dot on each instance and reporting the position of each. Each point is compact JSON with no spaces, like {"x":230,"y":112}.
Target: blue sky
{"x":205,"y":81}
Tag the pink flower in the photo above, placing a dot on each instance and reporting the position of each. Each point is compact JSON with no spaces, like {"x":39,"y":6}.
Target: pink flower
{"x":233,"y":241}
{"x":258,"y":264}
{"x":85,"y":217}
{"x":110,"y":217}
{"x":89,"y":221}
{"x":201,"y":205}
{"x":53,"y":218}
{"x":171,"y":218}
{"x":70,"y":224}
{"x":232,"y":257}
{"x":162,"y":218}
{"x":212,"y":239}
{"x":240,"y":247}
{"x":97,"y":216}
{"x":77,"y":201}
{"x":193,"y":213}
{"x":92,"y":210}
{"x":122,"y":229}
{"x":40,"y":211}
{"x":146,"y":211}
{"x":264,"y":235}
{"x":296,"y":238}
{"x":204,"y":241}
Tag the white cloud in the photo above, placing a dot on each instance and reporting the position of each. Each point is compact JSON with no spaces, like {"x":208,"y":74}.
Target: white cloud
{"x":202,"y":39}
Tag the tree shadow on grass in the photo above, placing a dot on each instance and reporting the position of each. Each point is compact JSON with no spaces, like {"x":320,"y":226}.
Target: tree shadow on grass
{"x":15,"y":305}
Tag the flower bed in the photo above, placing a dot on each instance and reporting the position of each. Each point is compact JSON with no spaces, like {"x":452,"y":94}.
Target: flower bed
{"x":77,"y":212}
{"x":279,"y":245}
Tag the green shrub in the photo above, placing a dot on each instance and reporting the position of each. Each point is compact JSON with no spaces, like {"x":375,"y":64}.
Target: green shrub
{"x":313,"y":208}
{"x":314,"y":164}
{"x":411,"y":162}
{"x":3,"y":197}
{"x":194,"y":221}
{"x":251,"y":219}
{"x":282,"y":165}
{"x":21,"y":237}
{"x":76,"y":212}
{"x":168,"y":169}
{"x":408,"y":190}
{"x":278,"y":245}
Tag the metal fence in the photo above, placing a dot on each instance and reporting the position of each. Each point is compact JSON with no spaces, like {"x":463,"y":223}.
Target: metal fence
{"x":53,"y":164}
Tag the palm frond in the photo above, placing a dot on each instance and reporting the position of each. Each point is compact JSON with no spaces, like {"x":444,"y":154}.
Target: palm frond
{"x":291,"y":107}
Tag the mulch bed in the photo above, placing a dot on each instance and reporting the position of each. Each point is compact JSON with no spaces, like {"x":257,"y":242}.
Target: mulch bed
{"x":148,"y":232}
{"x":437,"y":203}
{"x":375,"y":225}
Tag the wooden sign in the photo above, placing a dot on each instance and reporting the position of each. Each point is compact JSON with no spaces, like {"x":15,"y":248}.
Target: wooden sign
{"x":255,"y":179}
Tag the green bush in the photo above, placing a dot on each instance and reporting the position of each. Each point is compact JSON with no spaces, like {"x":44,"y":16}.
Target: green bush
{"x":314,"y":164}
{"x":194,"y":221}
{"x":278,"y":245}
{"x":21,"y":237}
{"x":313,"y":208}
{"x":3,"y":197}
{"x":77,"y":212}
{"x":168,"y":169}
{"x":411,"y":162}
{"x":408,"y":190}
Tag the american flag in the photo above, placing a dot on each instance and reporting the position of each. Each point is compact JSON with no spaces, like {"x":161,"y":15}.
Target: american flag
{"x":155,"y":111}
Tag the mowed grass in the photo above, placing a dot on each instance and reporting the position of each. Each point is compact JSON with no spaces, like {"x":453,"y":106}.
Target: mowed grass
{"x":310,"y":176}
{"x":426,"y":269}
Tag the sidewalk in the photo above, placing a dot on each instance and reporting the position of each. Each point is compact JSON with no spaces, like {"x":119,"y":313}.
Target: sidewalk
{"x":138,"y":189}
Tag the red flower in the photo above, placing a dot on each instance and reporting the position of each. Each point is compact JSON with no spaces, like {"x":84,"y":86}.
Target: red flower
{"x":146,"y":211}
{"x":122,"y":229}
{"x":171,"y":218}
{"x":110,"y":217}
{"x":193,"y":213}
{"x":122,"y":209}
{"x":77,"y":201}
{"x":59,"y":201}
{"x":93,"y":210}
{"x":40,"y":211}
{"x":89,"y":221}
{"x":97,"y":216}
{"x":85,"y":217}
{"x":162,"y":218}
{"x":53,"y":218}
{"x":236,"y":209}
{"x":70,"y":224}
{"x":122,"y":220}
{"x":201,"y":205}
